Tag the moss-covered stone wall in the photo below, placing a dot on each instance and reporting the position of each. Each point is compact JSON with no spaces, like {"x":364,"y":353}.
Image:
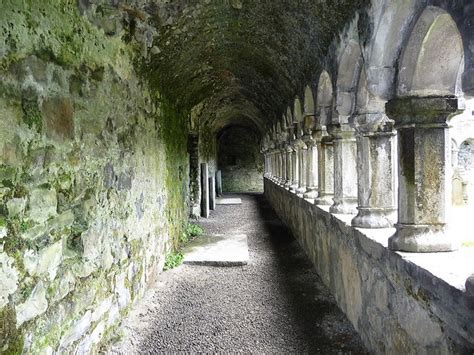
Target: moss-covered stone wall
{"x":93,"y":176}
{"x":240,"y":160}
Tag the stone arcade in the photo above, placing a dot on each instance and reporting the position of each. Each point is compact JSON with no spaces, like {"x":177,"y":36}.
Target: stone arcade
{"x":120,"y":120}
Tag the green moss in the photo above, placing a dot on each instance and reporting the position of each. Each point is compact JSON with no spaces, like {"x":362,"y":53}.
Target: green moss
{"x":11,"y":338}
{"x":174,"y":132}
{"x":31,"y":112}
{"x":55,"y":30}
{"x":173,"y":259}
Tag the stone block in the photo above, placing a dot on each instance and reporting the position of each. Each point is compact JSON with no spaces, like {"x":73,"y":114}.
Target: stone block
{"x":59,"y":117}
{"x":16,"y":206}
{"x":78,"y":330}
{"x":8,"y":278}
{"x":42,"y":205}
{"x":35,"y":305}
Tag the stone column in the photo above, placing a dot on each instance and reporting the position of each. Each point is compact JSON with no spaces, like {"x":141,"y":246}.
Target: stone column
{"x":219,"y":182}
{"x":204,"y":191}
{"x":311,"y":171}
{"x":284,"y":171}
{"x":294,"y":168}
{"x":273,"y":165}
{"x":282,"y":157}
{"x":424,"y":192}
{"x":212,"y":193}
{"x":324,"y":142}
{"x":302,"y":168}
{"x":375,"y":172}
{"x":345,"y":170}
{"x":289,"y":175}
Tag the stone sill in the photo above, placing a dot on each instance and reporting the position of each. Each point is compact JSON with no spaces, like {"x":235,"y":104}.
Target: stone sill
{"x":451,"y":267}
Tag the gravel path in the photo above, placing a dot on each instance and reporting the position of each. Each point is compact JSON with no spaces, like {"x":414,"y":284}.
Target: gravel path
{"x":276,"y":304}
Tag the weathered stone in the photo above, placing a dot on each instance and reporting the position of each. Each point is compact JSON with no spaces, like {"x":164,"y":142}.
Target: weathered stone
{"x":123,"y":294}
{"x":9,"y":278}
{"x":395,"y":304}
{"x":80,"y":328}
{"x":16,"y":206}
{"x":42,"y":205}
{"x":35,"y":305}
{"x":58,"y":113}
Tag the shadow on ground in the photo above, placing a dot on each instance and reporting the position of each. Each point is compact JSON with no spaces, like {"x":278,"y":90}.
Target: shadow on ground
{"x":275,"y":304}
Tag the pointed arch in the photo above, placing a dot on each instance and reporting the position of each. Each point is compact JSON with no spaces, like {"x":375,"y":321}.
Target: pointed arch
{"x":431,"y":64}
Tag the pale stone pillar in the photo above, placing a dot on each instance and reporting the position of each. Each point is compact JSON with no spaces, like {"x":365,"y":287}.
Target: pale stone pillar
{"x":289,"y":164}
{"x":311,"y":158}
{"x":219,"y":182}
{"x":284,"y":169}
{"x":345,"y":170}
{"x":375,"y":172}
{"x":311,"y":171}
{"x":212,"y":193}
{"x":324,"y":142}
{"x":424,"y":193}
{"x":204,"y":191}
{"x":294,"y":169}
{"x":302,"y":168}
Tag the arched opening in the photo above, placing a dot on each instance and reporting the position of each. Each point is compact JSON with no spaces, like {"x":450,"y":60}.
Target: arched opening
{"x":239,"y":159}
{"x":431,"y":64}
{"x":324,"y":98}
{"x":347,"y":79}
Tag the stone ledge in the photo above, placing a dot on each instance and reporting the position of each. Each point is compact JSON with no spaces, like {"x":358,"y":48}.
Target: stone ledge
{"x":399,"y":302}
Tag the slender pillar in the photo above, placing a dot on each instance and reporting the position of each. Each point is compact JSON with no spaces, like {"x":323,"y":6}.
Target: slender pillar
{"x":376,"y":173}
{"x":289,"y":160}
{"x":219,"y":183}
{"x":302,"y":168}
{"x":204,"y":191}
{"x":324,"y":143}
{"x":345,"y":170}
{"x":284,"y":171}
{"x":424,"y":193}
{"x":212,"y":193}
{"x":294,"y":169}
{"x":281,"y":158}
{"x":311,"y":171}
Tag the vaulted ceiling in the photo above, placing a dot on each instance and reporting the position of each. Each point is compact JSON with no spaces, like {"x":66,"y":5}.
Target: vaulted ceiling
{"x":242,"y":61}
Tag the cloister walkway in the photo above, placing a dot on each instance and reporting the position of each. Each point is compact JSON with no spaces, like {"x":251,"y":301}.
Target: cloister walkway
{"x":276,"y":304}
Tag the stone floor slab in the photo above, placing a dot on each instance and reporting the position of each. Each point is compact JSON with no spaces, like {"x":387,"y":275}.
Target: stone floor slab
{"x":228,"y":201}
{"x":217,"y":250}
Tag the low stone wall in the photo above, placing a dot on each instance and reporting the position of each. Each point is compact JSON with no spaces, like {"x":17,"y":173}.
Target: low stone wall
{"x":395,"y":305}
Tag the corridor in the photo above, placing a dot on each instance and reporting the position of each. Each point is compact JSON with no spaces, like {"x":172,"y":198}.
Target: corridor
{"x":276,"y":304}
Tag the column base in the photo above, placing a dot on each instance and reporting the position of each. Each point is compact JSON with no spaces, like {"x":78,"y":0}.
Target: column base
{"x":294,"y":187}
{"x":300,"y":191}
{"x":311,"y":193}
{"x":345,"y":206}
{"x":324,"y":199}
{"x":424,"y":238}
{"x":375,"y":217}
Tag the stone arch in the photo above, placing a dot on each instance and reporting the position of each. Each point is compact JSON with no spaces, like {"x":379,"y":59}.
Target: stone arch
{"x":324,"y":98}
{"x":309,"y":107}
{"x":289,"y":117}
{"x":430,"y":64}
{"x":347,"y":79}
{"x":466,"y":154}
{"x":391,"y":26}
{"x":298,"y":110}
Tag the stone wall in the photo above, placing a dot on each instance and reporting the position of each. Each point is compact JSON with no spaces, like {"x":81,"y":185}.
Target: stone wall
{"x":93,"y":179}
{"x":240,"y":160}
{"x":395,"y":305}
